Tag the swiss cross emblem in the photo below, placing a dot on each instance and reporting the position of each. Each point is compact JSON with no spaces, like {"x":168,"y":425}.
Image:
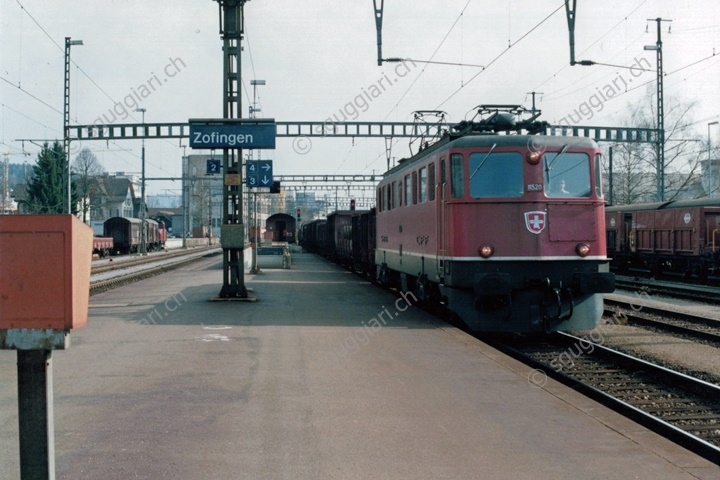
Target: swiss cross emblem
{"x":535,"y":221}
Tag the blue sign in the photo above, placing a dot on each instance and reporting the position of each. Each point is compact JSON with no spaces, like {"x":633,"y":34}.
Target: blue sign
{"x":232,"y":135}
{"x":213,"y":166}
{"x":259,"y":173}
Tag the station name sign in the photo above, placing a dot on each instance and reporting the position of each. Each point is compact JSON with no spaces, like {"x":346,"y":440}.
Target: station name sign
{"x":233,"y":133}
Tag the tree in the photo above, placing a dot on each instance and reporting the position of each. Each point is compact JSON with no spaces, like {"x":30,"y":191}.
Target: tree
{"x":682,"y":148}
{"x":85,"y":169}
{"x":46,"y":189}
{"x":201,"y":199}
{"x":631,"y":184}
{"x":635,"y":165}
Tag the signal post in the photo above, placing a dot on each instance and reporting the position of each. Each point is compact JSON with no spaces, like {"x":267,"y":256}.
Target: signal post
{"x":225,"y":133}
{"x":232,"y":134}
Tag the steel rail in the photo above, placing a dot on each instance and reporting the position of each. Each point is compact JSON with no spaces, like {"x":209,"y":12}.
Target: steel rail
{"x":703,"y":393}
{"x":684,"y":292}
{"x":128,"y":262}
{"x":635,"y":316}
{"x":98,"y":286}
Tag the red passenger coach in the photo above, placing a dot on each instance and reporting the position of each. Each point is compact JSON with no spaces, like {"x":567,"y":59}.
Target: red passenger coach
{"x":507,"y":230}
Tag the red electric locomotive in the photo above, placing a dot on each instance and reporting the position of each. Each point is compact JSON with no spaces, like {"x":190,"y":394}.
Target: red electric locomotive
{"x":507,"y":230}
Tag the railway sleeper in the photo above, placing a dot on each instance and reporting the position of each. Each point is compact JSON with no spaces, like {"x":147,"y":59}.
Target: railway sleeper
{"x":704,"y":416}
{"x":660,"y":411}
{"x":661,"y":401}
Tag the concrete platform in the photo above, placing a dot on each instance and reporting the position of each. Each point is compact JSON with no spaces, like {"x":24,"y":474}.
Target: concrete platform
{"x":325,"y":376}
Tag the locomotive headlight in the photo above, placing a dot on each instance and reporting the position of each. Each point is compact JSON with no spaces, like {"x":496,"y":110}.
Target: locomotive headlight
{"x":532,"y":157}
{"x":582,"y":249}
{"x":486,"y":251}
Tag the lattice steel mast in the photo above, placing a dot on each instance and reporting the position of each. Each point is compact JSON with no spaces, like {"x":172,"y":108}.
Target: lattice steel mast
{"x":660,"y":111}
{"x":231,"y":31}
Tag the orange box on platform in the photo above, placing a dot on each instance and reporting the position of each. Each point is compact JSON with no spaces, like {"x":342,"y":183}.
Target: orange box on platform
{"x":44,"y":271}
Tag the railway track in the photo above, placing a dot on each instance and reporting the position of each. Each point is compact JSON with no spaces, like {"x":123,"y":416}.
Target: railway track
{"x":687,"y":325}
{"x":701,"y":293}
{"x":118,"y":263}
{"x":677,"y":406}
{"x":144,"y":267}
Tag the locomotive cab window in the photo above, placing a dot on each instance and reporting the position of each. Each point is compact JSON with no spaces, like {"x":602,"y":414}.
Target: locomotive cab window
{"x":566,"y":174}
{"x":496,"y":175}
{"x":598,"y":175}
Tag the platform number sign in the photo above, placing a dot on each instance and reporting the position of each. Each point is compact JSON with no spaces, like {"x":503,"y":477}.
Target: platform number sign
{"x":213,"y":166}
{"x":259,"y":173}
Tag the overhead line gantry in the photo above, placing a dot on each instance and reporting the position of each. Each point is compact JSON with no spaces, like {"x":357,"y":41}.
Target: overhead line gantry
{"x":313,"y":129}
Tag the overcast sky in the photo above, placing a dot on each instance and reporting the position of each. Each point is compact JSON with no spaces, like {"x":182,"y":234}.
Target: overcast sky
{"x":319,"y":60}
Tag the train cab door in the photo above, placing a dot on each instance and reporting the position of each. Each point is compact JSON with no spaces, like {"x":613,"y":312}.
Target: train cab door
{"x":440,"y":230}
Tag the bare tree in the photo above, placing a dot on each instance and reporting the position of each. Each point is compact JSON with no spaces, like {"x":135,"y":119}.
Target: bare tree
{"x":86,"y":168}
{"x":201,"y":198}
{"x":631,"y":184}
{"x":711,"y":178}
{"x":152,"y":202}
{"x":635,"y":165}
{"x":683,"y":149}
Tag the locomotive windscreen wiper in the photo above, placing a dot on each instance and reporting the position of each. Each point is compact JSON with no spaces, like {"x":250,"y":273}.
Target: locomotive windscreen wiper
{"x":548,"y":166}
{"x":483,"y":160}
